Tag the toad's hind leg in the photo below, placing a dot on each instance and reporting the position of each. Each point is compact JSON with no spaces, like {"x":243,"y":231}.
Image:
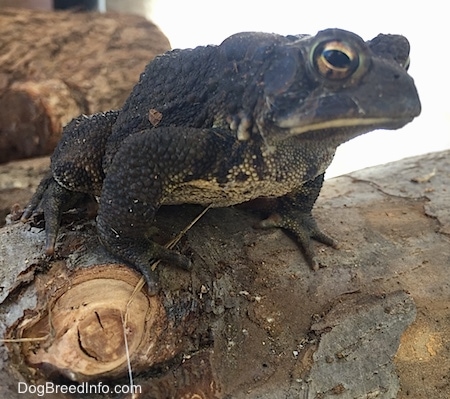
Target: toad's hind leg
{"x":52,"y":199}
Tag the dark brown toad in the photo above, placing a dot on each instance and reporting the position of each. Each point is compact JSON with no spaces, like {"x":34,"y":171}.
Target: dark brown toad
{"x":261,"y":115}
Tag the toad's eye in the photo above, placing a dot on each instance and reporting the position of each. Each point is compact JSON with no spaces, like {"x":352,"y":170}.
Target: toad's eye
{"x":335,"y":60}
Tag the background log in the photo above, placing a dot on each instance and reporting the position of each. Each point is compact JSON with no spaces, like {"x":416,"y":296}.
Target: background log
{"x":57,"y":65}
{"x":252,"y":320}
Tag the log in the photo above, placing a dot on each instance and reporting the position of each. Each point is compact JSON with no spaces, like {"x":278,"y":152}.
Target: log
{"x":55,"y":66}
{"x":251,"y":320}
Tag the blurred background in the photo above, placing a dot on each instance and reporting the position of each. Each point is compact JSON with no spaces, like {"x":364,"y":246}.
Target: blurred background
{"x":201,"y":22}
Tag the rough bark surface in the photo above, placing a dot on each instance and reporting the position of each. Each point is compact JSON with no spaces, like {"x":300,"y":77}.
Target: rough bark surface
{"x":57,"y":65}
{"x":251,"y":320}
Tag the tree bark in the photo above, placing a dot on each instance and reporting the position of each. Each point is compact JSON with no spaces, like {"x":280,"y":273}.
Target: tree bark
{"x":251,"y":320}
{"x":55,"y":66}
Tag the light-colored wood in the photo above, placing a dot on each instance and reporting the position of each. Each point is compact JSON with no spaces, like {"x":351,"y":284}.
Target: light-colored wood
{"x":88,"y":320}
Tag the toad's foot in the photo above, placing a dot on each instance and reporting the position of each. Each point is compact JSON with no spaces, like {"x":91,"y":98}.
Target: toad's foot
{"x":141,"y":254}
{"x":304,"y":227}
{"x":52,"y":200}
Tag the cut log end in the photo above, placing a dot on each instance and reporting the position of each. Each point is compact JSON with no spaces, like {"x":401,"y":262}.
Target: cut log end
{"x":93,"y":324}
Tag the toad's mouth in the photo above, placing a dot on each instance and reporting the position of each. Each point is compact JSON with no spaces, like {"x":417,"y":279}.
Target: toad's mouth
{"x":373,"y":123}
{"x":348,"y":111}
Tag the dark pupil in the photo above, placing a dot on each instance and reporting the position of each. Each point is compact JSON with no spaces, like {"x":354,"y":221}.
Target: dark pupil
{"x":337,"y":58}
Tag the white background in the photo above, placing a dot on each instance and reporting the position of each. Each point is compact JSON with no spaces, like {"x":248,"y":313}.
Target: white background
{"x":189,"y":23}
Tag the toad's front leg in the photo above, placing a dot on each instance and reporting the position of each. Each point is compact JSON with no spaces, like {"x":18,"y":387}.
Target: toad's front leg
{"x":293,"y":214}
{"x":143,"y":172}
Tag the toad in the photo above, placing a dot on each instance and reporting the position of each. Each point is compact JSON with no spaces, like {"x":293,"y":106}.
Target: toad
{"x":260,"y":115}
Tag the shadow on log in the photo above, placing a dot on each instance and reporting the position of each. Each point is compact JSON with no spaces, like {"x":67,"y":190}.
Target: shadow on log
{"x":251,"y":320}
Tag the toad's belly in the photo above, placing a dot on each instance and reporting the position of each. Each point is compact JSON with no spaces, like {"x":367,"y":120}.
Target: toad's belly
{"x":205,"y":192}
